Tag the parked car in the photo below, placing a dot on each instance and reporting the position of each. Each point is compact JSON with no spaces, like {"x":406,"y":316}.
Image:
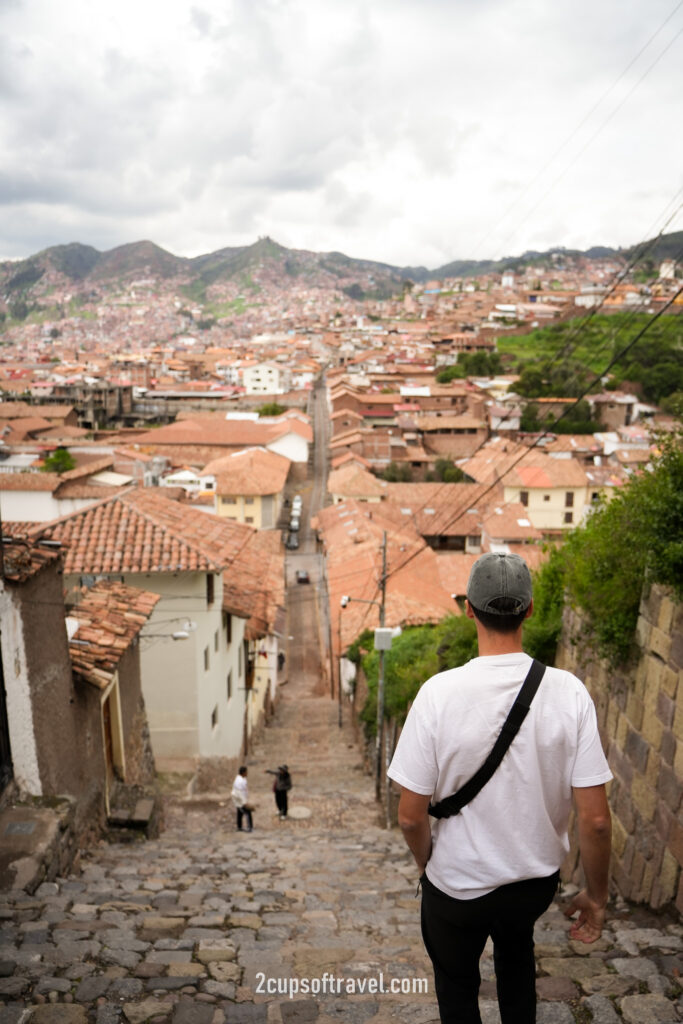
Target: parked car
{"x":292,"y":542}
{"x":302,"y":576}
{"x":294,"y":524}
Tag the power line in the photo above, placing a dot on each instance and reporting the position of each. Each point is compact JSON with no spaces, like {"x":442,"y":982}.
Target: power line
{"x":580,"y":125}
{"x":562,"y":415}
{"x":600,"y":128}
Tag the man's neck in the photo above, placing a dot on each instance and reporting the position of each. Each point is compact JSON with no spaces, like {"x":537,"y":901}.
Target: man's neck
{"x":491,"y":643}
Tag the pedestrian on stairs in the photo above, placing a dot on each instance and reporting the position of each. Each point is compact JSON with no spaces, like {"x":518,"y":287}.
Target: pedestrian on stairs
{"x":281,"y":787}
{"x":240,"y":799}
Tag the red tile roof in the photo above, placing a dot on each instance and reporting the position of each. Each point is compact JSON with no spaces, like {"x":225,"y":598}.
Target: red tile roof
{"x":253,"y":471}
{"x":140,"y":530}
{"x":110,"y":616}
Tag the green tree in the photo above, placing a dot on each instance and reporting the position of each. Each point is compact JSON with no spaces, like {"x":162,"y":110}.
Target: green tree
{"x":61,"y":461}
{"x":446,"y":471}
{"x":398,"y":473}
{"x":418,"y":653}
{"x":18,"y":309}
{"x":272,"y":409}
{"x":449,"y":373}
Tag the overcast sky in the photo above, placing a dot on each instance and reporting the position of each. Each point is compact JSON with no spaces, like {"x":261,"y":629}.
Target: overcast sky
{"x":407,"y":131}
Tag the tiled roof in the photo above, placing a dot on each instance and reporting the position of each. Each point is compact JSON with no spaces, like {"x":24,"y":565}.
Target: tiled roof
{"x":29,"y":481}
{"x":141,"y":530}
{"x":254,"y":585}
{"x":217,"y":431}
{"x":22,"y":559}
{"x":110,"y":616}
{"x":252,"y":471}
{"x":352,"y":534}
{"x":352,"y":481}
{"x":517,"y":466}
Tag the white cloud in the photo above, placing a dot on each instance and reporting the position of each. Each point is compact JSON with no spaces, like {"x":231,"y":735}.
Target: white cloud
{"x":409,"y":131}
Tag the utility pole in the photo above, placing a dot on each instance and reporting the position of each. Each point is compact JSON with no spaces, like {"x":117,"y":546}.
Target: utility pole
{"x":380,"y":679}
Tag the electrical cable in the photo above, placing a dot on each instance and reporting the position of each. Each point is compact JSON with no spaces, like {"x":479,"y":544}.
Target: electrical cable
{"x":562,"y":415}
{"x":578,"y":127}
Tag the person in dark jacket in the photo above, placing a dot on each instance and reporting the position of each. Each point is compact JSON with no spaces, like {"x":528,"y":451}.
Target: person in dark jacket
{"x":281,"y":787}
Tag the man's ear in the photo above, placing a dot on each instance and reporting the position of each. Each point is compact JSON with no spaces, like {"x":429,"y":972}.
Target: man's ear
{"x":468,"y":609}
{"x":529,"y":609}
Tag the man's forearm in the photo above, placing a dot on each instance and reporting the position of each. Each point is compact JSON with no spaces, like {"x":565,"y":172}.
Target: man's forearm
{"x":595,"y":845}
{"x":418,"y":837}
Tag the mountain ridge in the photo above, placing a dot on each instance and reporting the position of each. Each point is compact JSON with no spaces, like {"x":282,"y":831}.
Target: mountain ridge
{"x":79,"y":263}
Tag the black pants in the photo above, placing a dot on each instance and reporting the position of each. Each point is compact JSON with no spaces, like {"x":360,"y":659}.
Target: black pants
{"x":455,"y":933}
{"x":281,"y":801}
{"x":243,"y":812}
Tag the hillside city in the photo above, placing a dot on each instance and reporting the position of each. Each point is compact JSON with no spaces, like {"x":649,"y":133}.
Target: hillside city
{"x":216,"y":476}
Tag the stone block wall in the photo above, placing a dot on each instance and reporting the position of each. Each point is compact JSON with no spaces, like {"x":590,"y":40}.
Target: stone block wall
{"x":640,"y":715}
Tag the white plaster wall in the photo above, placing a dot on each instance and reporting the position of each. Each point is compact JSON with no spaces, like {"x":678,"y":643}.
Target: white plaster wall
{"x":18,"y":693}
{"x":180,"y":694}
{"x":294,"y":447}
{"x":28,"y":506}
{"x":549,"y":515}
{"x":225,"y":738}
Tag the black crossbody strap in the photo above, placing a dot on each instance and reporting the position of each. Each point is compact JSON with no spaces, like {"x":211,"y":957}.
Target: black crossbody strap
{"x":518,"y":712}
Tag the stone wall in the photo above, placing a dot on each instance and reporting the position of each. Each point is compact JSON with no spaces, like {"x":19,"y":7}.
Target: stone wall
{"x":641,"y":725}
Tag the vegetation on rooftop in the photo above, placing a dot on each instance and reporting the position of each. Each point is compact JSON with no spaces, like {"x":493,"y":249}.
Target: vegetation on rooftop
{"x":60,"y":461}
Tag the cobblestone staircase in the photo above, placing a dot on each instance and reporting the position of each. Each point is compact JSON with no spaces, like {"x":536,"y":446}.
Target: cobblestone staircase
{"x":312,"y":919}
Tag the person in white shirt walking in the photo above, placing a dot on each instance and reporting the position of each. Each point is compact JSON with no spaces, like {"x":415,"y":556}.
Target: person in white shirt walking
{"x":492,"y":867}
{"x":240,"y":798}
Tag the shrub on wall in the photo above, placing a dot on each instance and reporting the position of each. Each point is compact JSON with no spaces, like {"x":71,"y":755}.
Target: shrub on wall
{"x":635,"y":538}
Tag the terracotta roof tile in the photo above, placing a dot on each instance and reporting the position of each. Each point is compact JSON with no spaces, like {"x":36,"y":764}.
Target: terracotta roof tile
{"x":252,"y":471}
{"x":110,"y":616}
{"x":141,"y":530}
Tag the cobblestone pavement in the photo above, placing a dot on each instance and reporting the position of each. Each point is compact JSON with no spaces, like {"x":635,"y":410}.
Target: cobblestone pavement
{"x":195,"y":927}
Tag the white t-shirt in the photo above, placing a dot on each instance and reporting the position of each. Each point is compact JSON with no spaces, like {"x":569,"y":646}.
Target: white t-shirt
{"x":240,"y":791}
{"x":516,"y":827}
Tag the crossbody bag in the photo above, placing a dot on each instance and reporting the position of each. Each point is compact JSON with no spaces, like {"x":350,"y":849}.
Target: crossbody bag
{"x":453,"y":804}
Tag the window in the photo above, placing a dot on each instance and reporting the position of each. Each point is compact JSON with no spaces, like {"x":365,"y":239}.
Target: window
{"x":569,"y":517}
{"x":594,"y":496}
{"x":214,"y":717}
{"x":569,"y":499}
{"x":524,"y":498}
{"x":206,"y":659}
{"x":239,"y":662}
{"x":215,"y":641}
{"x":229,"y":684}
{"x":248,"y":501}
{"x":249,"y":519}
{"x":209,"y":588}
{"x":546,"y":497}
{"x":227,"y":622}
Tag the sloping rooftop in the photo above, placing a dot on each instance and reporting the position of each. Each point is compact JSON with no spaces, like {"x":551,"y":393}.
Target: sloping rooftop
{"x":109,"y":618}
{"x":141,"y":530}
{"x":252,"y":471}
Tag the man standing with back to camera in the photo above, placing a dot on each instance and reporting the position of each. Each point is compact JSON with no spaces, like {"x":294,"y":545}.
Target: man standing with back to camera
{"x":492,"y":868}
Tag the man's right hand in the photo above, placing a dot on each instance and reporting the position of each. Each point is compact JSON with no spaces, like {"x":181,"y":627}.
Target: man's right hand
{"x":591,"y":919}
